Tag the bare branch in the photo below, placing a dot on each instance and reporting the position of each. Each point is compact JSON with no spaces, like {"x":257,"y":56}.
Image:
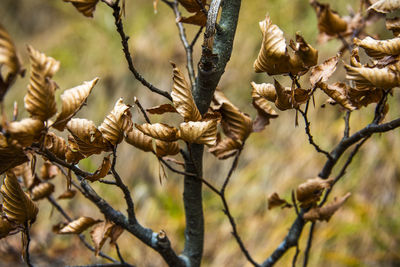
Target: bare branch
{"x":27,"y":257}
{"x":309,"y":244}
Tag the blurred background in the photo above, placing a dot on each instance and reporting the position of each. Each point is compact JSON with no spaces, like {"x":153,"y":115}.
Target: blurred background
{"x":365,"y":232}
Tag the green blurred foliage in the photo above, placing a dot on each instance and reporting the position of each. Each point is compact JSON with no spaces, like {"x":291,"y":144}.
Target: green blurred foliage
{"x":365,"y":232}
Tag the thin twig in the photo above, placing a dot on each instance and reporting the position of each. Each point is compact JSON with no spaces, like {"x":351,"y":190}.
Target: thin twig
{"x":309,"y":244}
{"x":347,"y":124}
{"x":128,"y":57}
{"x":296,"y":209}
{"x":196,"y":37}
{"x":28,"y":241}
{"x":231,"y":170}
{"x":142,"y":110}
{"x":295,"y":256}
{"x":121,"y":259}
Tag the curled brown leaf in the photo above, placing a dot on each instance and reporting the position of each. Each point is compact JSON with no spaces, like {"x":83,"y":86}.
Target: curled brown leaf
{"x":77,"y":226}
{"x":326,"y":212}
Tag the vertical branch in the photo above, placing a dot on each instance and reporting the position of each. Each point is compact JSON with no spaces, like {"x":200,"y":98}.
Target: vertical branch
{"x":27,"y":239}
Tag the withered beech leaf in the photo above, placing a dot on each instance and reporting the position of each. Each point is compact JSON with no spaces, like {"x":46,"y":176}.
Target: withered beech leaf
{"x":42,"y":190}
{"x":309,"y":192}
{"x":48,"y":171}
{"x":161,"y":109}
{"x":308,"y":55}
{"x":139,"y":140}
{"x":17,"y":205}
{"x":100,"y":233}
{"x":78,"y":226}
{"x":393,"y":25}
{"x":116,"y":232}
{"x":364,"y":97}
{"x":192,"y":5}
{"x":163,"y":148}
{"x":273,"y":49}
{"x":25,"y":171}
{"x":11,"y":154}
{"x":182,"y":97}
{"x":264,"y":110}
{"x":323,"y":71}
{"x":68,"y":194}
{"x":199,"y":19}
{"x":25,"y":131}
{"x":283,"y":100}
{"x":88,"y":138}
{"x":235,"y":123}
{"x":39,"y":100}
{"x":55,"y":144}
{"x":379,"y":48}
{"x":159,"y":131}
{"x":326,"y":212}
{"x":199,"y":132}
{"x":329,"y":21}
{"x":102,"y":171}
{"x":385,"y":6}
{"x":5,"y":227}
{"x":116,"y":123}
{"x":86,"y":7}
{"x":367,"y":78}
{"x":274,"y":201}
{"x":266,"y":90}
{"x":72,"y":101}
{"x":225,"y":148}
{"x":338,"y":92}
{"x":73,"y":155}
{"x":8,"y":56}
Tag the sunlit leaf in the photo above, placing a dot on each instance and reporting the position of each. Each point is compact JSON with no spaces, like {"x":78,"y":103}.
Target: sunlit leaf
{"x":39,"y":100}
{"x":274,"y":201}
{"x":25,"y":131}
{"x":326,"y":212}
{"x":100,"y":233}
{"x":42,"y":190}
{"x":78,"y":226}
{"x":385,"y":6}
{"x":17,"y":205}
{"x":72,"y":101}
{"x":5,"y":227}
{"x":329,"y":21}
{"x":379,"y":48}
{"x":86,"y":7}
{"x":338,"y":92}
{"x":264,"y":110}
{"x":323,"y":71}
{"x":225,"y":148}
{"x":11,"y":154}
{"x":102,"y":171}
{"x":139,"y":140}
{"x":182,"y":97}
{"x":161,"y":109}
{"x":393,"y":25}
{"x":163,"y":148}
{"x":56,"y":145}
{"x":159,"y":131}
{"x":199,"y":132}
{"x":68,"y":194}
{"x":265,"y":90}
{"x":367,"y":78}
{"x":309,"y":192}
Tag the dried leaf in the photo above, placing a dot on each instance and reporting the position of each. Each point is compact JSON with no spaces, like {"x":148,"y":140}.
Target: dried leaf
{"x":159,"y":131}
{"x":329,"y":21}
{"x":25,"y":171}
{"x":283,"y":100}
{"x":379,"y":48}
{"x":393,"y":25}
{"x":274,"y":201}
{"x":116,"y":232}
{"x":25,"y":131}
{"x":72,"y":101}
{"x":225,"y":148}
{"x":88,"y":138}
{"x":235,"y":123}
{"x":199,"y":132}
{"x":199,"y":19}
{"x":73,"y":155}
{"x":116,"y":123}
{"x":323,"y":71}
{"x":192,"y":5}
{"x":56,"y":145}
{"x":264,"y":110}
{"x":182,"y":97}
{"x":163,"y":148}
{"x":365,"y":97}
{"x":385,"y":6}
{"x":102,"y":171}
{"x":338,"y":92}
{"x":11,"y":155}
{"x":48,"y":171}
{"x":100,"y":233}
{"x":86,"y":7}
{"x":39,"y":100}
{"x":5,"y":227}
{"x":326,"y":212}
{"x":78,"y":226}
{"x":68,"y":194}
{"x":139,"y":140}
{"x":367,"y":78}
{"x":161,"y":109}
{"x":42,"y":190}
{"x":265,"y":90}
{"x":17,"y":205}
{"x":309,"y":192}
{"x":307,"y":54}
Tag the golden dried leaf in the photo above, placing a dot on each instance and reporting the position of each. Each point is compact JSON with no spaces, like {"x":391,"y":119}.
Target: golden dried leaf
{"x":365,"y":97}
{"x":161,"y":109}
{"x":48,"y":171}
{"x":323,"y":71}
{"x":199,"y":19}
{"x":100,"y":233}
{"x":56,"y":145}
{"x":78,"y":226}
{"x":68,"y":194}
{"x":73,"y":155}
{"x":199,"y":132}
{"x":42,"y":190}
{"x":326,"y":212}
{"x":25,"y":131}
{"x":8,"y":57}
{"x":393,"y":25}
{"x":116,"y":232}
{"x":25,"y":171}
{"x":192,"y":5}
{"x":235,"y":123}
{"x":163,"y":148}
{"x":39,"y":100}
{"x":283,"y":100}
{"x":17,"y":205}
{"x":329,"y":21}
{"x":265,"y":90}
{"x":11,"y":155}
{"x":309,"y":192}
{"x":367,"y":78}
{"x":116,"y":123}
{"x":338,"y":92}
{"x":225,"y":148}
{"x":72,"y":101}
{"x":264,"y":110}
{"x":379,"y":48}
{"x":159,"y":131}
{"x":86,"y":7}
{"x":182,"y":97}
{"x":274,"y":201}
{"x":102,"y":171}
{"x":88,"y":138}
{"x":139,"y":140}
{"x":385,"y":6}
{"x":273,"y":50}
{"x":5,"y":227}
{"x":308,"y":55}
